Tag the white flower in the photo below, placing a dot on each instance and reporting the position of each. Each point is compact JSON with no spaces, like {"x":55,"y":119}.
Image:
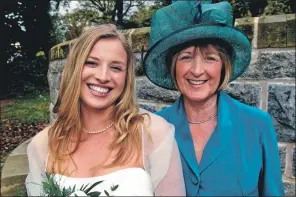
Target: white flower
{"x":78,"y":193}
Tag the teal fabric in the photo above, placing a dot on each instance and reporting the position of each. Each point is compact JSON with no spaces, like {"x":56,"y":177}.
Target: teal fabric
{"x":241,"y":157}
{"x":187,"y":21}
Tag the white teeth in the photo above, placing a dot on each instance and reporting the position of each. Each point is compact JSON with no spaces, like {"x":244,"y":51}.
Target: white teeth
{"x":98,"y":89}
{"x":196,"y":82}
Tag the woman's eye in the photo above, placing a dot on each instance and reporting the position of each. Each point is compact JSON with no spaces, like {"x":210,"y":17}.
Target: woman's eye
{"x":186,"y":57}
{"x":90,"y":63}
{"x":116,"y":68}
{"x":209,"y":58}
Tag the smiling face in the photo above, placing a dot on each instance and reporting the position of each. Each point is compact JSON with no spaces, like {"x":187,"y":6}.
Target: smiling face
{"x":198,"y":72}
{"x":104,"y":74}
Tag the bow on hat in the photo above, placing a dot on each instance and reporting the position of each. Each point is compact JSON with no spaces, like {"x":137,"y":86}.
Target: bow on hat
{"x":213,"y":16}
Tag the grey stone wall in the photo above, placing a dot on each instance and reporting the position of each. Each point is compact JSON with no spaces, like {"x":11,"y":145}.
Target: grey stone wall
{"x":269,"y":82}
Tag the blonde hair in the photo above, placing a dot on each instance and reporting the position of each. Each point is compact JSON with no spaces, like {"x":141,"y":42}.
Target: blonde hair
{"x":67,"y":125}
{"x":224,"y":55}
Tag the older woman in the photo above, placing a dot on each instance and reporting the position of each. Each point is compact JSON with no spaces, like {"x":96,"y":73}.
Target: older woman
{"x":227,"y":147}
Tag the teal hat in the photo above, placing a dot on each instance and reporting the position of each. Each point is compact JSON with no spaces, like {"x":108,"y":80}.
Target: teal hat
{"x":185,"y":21}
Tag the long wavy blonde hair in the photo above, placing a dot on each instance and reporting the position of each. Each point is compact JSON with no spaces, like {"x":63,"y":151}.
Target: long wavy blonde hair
{"x":67,"y":125}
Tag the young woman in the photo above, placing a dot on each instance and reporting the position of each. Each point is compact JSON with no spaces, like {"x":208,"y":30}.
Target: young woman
{"x":99,"y":133}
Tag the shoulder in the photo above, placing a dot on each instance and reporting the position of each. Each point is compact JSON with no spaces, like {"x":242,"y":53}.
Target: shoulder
{"x":246,"y":111}
{"x":156,"y":125}
{"x":165,"y":112}
{"x":40,"y":140}
{"x":248,"y":115}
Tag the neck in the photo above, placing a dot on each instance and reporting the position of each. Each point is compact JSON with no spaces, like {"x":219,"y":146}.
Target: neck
{"x":198,"y":111}
{"x":93,"y":119}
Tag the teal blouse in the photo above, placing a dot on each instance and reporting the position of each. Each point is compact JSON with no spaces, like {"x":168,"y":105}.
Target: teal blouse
{"x":241,"y":157}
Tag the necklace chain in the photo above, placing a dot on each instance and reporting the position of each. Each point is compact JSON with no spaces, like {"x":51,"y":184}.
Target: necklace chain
{"x":203,"y":121}
{"x":98,"y":131}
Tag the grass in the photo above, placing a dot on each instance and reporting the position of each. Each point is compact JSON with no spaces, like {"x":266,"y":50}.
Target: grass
{"x":21,"y":191}
{"x":31,"y":109}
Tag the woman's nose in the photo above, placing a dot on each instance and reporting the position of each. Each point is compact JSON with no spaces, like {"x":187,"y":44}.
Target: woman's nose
{"x":197,"y":68}
{"x":102,"y":74}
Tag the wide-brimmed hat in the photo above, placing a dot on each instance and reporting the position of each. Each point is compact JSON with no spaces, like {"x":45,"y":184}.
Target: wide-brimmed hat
{"x":185,"y":21}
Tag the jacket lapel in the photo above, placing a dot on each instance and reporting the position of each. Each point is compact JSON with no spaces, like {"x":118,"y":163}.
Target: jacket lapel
{"x":183,"y":136}
{"x":222,"y":134}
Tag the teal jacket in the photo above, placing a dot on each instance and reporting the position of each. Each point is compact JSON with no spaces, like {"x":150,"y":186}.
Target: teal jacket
{"x":241,"y":157}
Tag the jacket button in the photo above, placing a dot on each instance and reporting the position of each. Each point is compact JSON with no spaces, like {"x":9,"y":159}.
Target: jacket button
{"x":194,"y":180}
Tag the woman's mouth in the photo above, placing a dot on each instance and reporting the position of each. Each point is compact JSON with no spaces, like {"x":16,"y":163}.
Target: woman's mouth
{"x":99,"y":91}
{"x":197,"y":82}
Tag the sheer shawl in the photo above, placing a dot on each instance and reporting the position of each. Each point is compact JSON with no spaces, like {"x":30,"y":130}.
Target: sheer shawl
{"x":160,"y":156}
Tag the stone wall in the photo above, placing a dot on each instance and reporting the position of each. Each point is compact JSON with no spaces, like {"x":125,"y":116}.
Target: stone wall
{"x":269,"y":82}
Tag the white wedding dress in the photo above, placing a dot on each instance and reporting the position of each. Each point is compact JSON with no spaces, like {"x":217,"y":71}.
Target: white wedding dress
{"x":130,"y":182}
{"x":162,"y":174}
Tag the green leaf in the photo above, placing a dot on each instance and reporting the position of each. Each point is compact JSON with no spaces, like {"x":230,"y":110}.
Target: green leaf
{"x":92,"y":186}
{"x":81,"y":187}
{"x":94,"y":194}
{"x":113,"y":188}
{"x":73,"y":189}
{"x":107,"y":194}
{"x":84,"y":187}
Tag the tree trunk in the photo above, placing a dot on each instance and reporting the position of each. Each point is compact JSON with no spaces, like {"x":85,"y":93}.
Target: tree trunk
{"x":119,"y":9}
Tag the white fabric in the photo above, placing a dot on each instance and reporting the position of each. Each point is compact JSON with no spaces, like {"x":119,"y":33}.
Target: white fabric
{"x":160,"y":156}
{"x":130,"y":181}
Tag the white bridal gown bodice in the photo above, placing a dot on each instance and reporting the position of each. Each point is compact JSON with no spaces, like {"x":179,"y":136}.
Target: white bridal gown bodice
{"x":130,"y":181}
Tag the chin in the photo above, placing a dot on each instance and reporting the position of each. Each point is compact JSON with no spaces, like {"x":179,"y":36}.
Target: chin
{"x":198,"y":97}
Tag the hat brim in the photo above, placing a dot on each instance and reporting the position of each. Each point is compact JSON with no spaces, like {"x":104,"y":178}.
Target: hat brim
{"x":155,"y":60}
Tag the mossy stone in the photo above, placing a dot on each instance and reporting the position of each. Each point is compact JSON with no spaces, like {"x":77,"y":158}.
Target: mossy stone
{"x":272,"y":31}
{"x":140,"y":39}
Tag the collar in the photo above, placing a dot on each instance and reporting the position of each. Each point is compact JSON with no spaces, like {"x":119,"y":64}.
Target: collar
{"x":218,"y":140}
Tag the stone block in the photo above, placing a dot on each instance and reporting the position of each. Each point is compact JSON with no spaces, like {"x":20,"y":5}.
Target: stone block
{"x":149,"y":107}
{"x":54,"y":79}
{"x":57,"y":66}
{"x":11,"y":185}
{"x":126,"y":32}
{"x":15,"y":165}
{"x":289,"y":188}
{"x":246,"y":93}
{"x":53,"y":94}
{"x":272,"y":31}
{"x":140,"y":39}
{"x":281,"y":105}
{"x":139,"y":69}
{"x":283,"y":152}
{"x":271,"y":65}
{"x":59,"y":51}
{"x":294,"y":162}
{"x":146,"y":90}
{"x":21,"y":149}
{"x":52,"y":116}
{"x":246,"y":25}
{"x":291,"y":30}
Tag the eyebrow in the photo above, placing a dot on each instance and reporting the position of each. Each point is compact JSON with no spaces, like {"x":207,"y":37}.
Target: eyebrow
{"x":185,"y":52}
{"x":97,"y":59}
{"x":114,"y":62}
